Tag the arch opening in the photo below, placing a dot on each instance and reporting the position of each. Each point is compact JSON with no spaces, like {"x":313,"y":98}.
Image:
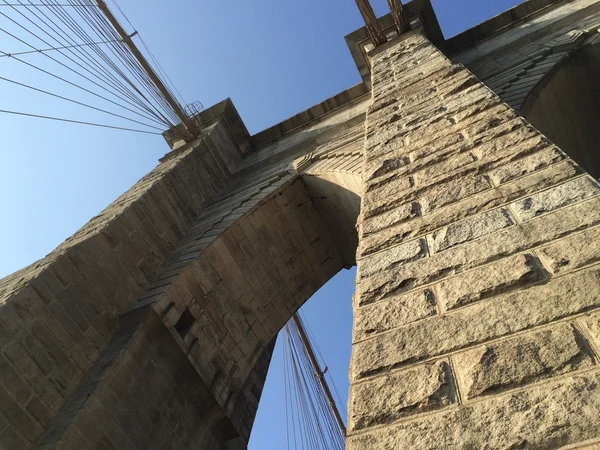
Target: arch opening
{"x":249,"y":278}
{"x":565,"y":106}
{"x":328,"y":317}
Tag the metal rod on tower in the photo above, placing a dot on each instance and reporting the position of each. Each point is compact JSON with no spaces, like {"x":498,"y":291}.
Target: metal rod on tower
{"x":318,"y":372}
{"x":366,"y":10}
{"x":189,"y":128}
{"x":398,"y":14}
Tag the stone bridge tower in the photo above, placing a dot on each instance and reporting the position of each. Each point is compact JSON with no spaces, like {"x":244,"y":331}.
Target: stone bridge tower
{"x":477,"y":241}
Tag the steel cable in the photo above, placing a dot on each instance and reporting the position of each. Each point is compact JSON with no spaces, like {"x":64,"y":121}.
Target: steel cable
{"x":80,"y":32}
{"x":47,"y":43}
{"x":39,"y":116}
{"x":122,"y":55}
{"x":98,"y":23}
{"x":54,"y":59}
{"x":75,"y":102}
{"x":86,"y":44}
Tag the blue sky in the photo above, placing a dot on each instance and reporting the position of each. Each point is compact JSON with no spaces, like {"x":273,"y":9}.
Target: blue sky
{"x":273,"y":58}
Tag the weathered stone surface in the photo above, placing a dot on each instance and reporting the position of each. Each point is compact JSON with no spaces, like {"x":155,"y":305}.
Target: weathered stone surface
{"x":389,"y":397}
{"x":592,"y":324}
{"x":506,"y":143}
{"x":511,"y":140}
{"x":486,"y":281}
{"x":521,"y":360}
{"x":403,"y":253}
{"x":509,"y":313}
{"x":591,"y":444}
{"x":432,"y":147}
{"x":490,"y":166}
{"x":451,"y":163}
{"x":555,"y":198}
{"x":469,"y":229}
{"x":494,"y":145}
{"x":573,"y":252}
{"x":472,"y":254}
{"x":438,"y":79}
{"x":443,"y":194}
{"x":526,"y":165}
{"x":395,"y":216}
{"x":492,"y":123}
{"x":392,"y":313}
{"x":376,"y":169}
{"x":446,"y":191}
{"x":469,"y":206}
{"x":544,"y":417}
{"x":387,"y":189}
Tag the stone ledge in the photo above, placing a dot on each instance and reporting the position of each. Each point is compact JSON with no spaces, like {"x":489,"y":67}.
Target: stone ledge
{"x":519,"y":13}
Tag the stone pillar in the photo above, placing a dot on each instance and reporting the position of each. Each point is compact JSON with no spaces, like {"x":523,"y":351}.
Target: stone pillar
{"x":478,"y":286}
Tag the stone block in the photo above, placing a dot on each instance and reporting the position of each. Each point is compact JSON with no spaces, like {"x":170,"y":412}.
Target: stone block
{"x":391,"y":397}
{"x":592,"y":324}
{"x":444,"y":193}
{"x":385,"y":220}
{"x":451,"y":163}
{"x":458,"y":259}
{"x":525,"y":166}
{"x":558,"y":197}
{"x":436,"y":147}
{"x":522,"y":360}
{"x":5,"y":334}
{"x":401,"y":254}
{"x":48,"y":342}
{"x":393,"y":313}
{"x":23,"y":363}
{"x":438,"y":195}
{"x":39,"y":411}
{"x":11,"y":440}
{"x":72,"y":438}
{"x":469,"y":229}
{"x":542,"y":417}
{"x":16,"y":415}
{"x":481,"y":322}
{"x":386,"y":189}
{"x":573,"y":252}
{"x":509,"y":140}
{"x":488,"y":152}
{"x":487,"y":281}
{"x":16,"y":385}
{"x":469,"y":206}
{"x":379,"y":168}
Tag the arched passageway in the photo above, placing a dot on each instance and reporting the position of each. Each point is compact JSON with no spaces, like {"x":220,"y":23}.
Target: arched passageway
{"x":565,"y":106}
{"x":250,"y":262}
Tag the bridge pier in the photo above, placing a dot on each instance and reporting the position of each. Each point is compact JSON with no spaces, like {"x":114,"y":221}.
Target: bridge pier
{"x":476,"y":312}
{"x":476,"y":309}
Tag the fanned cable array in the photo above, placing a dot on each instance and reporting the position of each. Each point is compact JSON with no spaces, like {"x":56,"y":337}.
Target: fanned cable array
{"x":310,"y":413}
{"x":71,"y":51}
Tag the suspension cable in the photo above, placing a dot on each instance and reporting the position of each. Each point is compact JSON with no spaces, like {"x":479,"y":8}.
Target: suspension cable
{"x":314,"y":426}
{"x":83,"y":38}
{"x":4,"y":111}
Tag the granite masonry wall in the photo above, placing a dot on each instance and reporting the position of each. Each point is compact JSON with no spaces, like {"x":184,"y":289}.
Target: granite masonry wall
{"x":478,"y":286}
{"x":477,"y":300}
